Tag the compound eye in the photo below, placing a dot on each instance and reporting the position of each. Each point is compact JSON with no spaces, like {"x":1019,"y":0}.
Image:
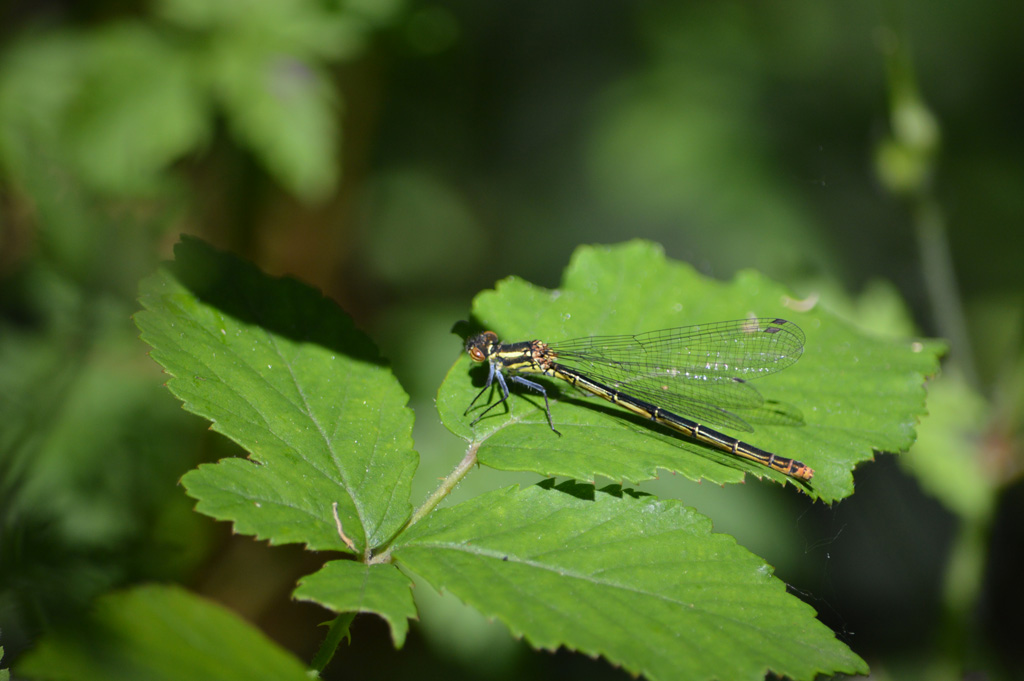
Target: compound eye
{"x":476,"y":354}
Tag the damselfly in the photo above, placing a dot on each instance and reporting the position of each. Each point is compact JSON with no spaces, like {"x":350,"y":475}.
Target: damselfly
{"x":701,"y":371}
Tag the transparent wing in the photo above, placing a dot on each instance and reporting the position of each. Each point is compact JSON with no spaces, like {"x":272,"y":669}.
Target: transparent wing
{"x":699,"y":371}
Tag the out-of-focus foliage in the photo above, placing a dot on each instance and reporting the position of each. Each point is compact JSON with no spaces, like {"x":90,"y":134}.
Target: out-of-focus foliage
{"x":162,"y":634}
{"x":120,"y":102}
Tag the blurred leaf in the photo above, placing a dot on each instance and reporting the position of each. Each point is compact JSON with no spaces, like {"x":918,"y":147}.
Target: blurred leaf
{"x":265,"y":65}
{"x":305,"y":28}
{"x":118,"y":104}
{"x":5,"y":674}
{"x":997,"y":330}
{"x":122,"y":101}
{"x":283,"y":108}
{"x":640,"y":581}
{"x":284,"y":373}
{"x":39,"y":78}
{"x":905,"y":160}
{"x":857,"y":394}
{"x":139,"y":108}
{"x":946,"y":459}
{"x":156,"y":633}
{"x":89,"y":456}
{"x":97,"y":446}
{"x":348,"y":586}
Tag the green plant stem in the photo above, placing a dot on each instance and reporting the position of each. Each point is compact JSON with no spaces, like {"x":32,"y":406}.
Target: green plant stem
{"x":447,"y":485}
{"x":940,"y":280}
{"x":443,"y":490}
{"x":964,"y":579}
{"x":339,"y":629}
{"x":911,"y":152}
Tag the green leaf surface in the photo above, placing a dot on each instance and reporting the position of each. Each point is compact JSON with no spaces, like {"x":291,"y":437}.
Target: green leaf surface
{"x":160,"y":633}
{"x":348,"y":586}
{"x":857,"y":394}
{"x":641,"y":581}
{"x":283,"y":372}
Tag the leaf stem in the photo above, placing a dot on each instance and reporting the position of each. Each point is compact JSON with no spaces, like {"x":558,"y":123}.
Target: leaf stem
{"x":964,"y":581}
{"x":906,"y":165}
{"x":447,"y":485}
{"x":444,"y":489}
{"x":339,"y":630}
{"x":940,"y":281}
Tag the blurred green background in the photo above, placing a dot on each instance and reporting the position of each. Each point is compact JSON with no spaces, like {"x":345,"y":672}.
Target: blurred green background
{"x":403,"y":155}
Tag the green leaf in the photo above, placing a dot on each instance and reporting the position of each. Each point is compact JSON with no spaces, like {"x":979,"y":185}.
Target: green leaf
{"x":267,"y":65}
{"x":39,"y":81}
{"x":946,"y":458}
{"x":138,"y":110}
{"x":118,"y":104}
{"x":157,"y":633}
{"x":347,"y":586}
{"x":641,"y":581}
{"x":281,"y":371}
{"x":283,"y":108}
{"x":857,"y":394}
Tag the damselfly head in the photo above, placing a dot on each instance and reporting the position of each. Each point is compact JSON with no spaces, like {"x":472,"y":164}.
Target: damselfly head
{"x":481,"y":345}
